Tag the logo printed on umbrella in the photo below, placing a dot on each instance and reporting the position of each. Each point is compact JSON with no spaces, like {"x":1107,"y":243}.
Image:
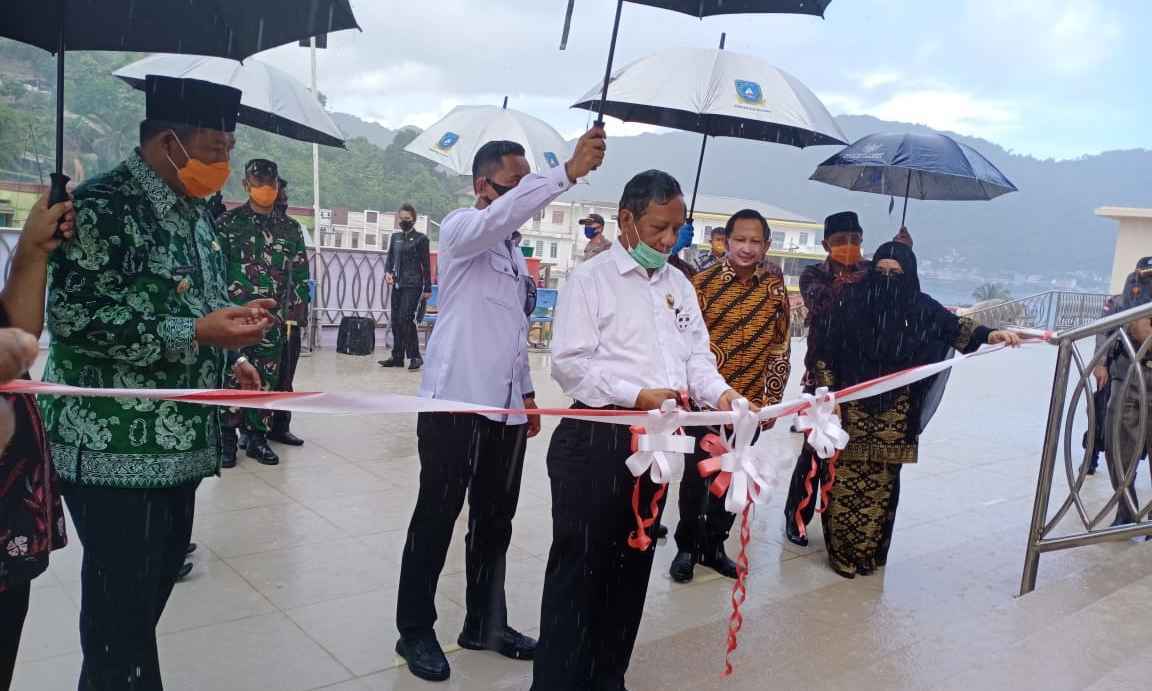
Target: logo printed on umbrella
{"x":551,"y":159}
{"x":749,"y":92}
{"x":447,"y":141}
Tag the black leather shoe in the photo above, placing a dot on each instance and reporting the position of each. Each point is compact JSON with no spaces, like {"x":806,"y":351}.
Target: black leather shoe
{"x":510,"y":643}
{"x":425,"y":658}
{"x":719,"y":562}
{"x":191,"y":548}
{"x":243,"y":442}
{"x":259,"y":450}
{"x":792,"y":534}
{"x":184,"y":571}
{"x":416,"y":364}
{"x":683,"y":567}
{"x":393,"y":363}
{"x":660,"y":532}
{"x":286,"y":438}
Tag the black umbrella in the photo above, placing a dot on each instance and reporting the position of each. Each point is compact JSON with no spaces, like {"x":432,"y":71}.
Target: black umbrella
{"x":222,"y":28}
{"x":696,"y":8}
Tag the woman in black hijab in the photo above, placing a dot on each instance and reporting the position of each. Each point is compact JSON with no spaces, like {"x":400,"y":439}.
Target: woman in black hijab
{"x":881,"y":325}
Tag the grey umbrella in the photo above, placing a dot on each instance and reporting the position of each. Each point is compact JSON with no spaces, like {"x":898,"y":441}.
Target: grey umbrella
{"x":273,"y":100}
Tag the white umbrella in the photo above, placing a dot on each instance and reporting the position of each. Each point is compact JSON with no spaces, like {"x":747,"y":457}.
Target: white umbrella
{"x":717,"y":93}
{"x":273,"y":100}
{"x":453,"y":141}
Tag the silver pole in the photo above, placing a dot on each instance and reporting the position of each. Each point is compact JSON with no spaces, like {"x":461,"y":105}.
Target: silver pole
{"x":314,"y":331}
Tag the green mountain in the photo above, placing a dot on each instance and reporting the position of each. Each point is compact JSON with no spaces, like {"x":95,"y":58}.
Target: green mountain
{"x":102,"y":115}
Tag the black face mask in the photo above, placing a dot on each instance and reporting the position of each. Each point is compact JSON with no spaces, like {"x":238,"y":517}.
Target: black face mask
{"x":407,"y":225}
{"x":501,"y":190}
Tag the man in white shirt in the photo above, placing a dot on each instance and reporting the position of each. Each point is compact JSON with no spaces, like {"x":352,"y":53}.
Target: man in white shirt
{"x":478,"y":353}
{"x":628,"y":334}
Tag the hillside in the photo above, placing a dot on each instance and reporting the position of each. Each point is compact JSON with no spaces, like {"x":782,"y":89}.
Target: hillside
{"x":103,"y":113}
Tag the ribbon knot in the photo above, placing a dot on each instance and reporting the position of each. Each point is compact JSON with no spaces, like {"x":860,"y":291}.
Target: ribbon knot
{"x":825,"y":433}
{"x":659,"y":446}
{"x":742,"y":475}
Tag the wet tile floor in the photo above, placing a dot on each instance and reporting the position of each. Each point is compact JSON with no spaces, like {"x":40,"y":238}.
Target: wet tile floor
{"x":294,"y":585}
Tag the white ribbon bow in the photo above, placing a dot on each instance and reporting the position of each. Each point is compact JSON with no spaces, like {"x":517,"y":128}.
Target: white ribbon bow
{"x":660,"y":449}
{"x":825,"y":433}
{"x":752,"y":477}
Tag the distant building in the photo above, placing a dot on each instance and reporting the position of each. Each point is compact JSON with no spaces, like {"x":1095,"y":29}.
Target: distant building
{"x":16,"y":200}
{"x":363,"y":230}
{"x":1133,"y":241}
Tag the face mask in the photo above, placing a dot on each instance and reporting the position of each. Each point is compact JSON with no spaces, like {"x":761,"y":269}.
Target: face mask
{"x":719,"y":247}
{"x":590,"y":231}
{"x":501,"y":190}
{"x":407,"y":225}
{"x":847,"y":255}
{"x":646,"y":256}
{"x":264,"y":195}
{"x":200,"y":179}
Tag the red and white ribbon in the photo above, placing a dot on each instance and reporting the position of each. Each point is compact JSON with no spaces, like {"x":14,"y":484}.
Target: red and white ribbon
{"x":661,"y":444}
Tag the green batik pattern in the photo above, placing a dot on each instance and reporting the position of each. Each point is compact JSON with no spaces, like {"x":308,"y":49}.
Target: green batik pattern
{"x":123,"y":298}
{"x":266,"y":259}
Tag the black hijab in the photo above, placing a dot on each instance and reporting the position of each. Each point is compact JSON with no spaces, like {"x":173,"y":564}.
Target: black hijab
{"x":885,"y":324}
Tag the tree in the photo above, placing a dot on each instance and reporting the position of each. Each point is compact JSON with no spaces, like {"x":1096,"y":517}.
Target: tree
{"x":991,"y":291}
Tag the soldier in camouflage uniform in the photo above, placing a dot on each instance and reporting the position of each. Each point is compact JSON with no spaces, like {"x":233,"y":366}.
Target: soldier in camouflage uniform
{"x":266,"y":259}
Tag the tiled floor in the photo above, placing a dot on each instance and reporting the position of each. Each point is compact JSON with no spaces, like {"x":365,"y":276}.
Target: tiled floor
{"x":294,"y":584}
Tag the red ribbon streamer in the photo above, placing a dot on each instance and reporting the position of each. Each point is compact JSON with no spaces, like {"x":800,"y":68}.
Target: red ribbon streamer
{"x":739,"y":590}
{"x":638,"y":539}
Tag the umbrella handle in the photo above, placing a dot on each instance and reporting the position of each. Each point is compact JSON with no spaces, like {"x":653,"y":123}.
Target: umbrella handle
{"x":58,"y":192}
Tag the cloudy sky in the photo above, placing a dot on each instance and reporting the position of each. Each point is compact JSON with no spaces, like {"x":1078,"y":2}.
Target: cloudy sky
{"x":1050,"y":78}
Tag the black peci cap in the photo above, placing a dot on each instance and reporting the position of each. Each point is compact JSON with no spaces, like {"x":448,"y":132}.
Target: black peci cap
{"x":192,"y":102}
{"x":843,"y":222}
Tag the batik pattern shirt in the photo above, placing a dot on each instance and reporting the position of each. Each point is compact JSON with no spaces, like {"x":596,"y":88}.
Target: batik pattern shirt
{"x":124,"y":295}
{"x":748,"y":326}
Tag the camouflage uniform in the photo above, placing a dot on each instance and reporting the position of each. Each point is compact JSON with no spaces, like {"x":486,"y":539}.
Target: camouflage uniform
{"x":266,"y":259}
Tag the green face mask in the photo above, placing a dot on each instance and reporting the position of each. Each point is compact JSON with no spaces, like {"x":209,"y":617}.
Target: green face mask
{"x":646,"y":256}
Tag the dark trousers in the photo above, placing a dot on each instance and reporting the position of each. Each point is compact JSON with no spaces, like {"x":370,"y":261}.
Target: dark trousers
{"x":405,"y":341}
{"x":13,"y":609}
{"x":798,"y":488}
{"x":461,"y":455}
{"x":289,"y":358}
{"x":704,"y":523}
{"x":134,"y":543}
{"x":595,"y":584}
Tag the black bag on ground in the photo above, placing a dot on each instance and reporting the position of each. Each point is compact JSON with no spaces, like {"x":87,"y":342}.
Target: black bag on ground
{"x":357,"y":336}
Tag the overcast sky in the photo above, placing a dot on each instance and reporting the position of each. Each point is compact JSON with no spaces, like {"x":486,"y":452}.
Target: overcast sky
{"x":1050,"y":78}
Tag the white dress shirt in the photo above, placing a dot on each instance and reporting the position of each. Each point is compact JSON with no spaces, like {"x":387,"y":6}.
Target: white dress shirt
{"x":478,"y":352}
{"x":619,"y":330}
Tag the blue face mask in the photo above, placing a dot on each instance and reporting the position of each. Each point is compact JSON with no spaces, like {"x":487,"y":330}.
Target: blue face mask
{"x":590,"y":231}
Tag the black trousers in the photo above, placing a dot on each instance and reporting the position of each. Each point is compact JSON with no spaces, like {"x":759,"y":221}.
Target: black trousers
{"x":13,"y":610}
{"x":595,"y":584}
{"x":289,"y":358}
{"x":134,"y":543}
{"x":704,"y":523}
{"x":461,"y":455}
{"x":798,"y":489}
{"x":405,"y":341}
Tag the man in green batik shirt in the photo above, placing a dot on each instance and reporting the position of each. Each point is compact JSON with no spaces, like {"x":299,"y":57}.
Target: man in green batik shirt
{"x":137,"y":299}
{"x":266,"y":259}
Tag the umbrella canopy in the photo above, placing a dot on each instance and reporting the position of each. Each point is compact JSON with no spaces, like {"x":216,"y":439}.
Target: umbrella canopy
{"x":272,"y":100}
{"x":224,"y":29}
{"x":718,"y":93}
{"x":708,"y":8}
{"x":452,"y":142}
{"x":920,"y":166}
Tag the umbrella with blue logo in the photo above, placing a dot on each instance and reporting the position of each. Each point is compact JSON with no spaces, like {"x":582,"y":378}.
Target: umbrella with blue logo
{"x":717,"y":93}
{"x":698,"y":9}
{"x":452,"y":142}
{"x":918,"y":166}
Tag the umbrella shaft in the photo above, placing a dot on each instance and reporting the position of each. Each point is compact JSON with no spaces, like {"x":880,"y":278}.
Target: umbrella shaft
{"x":611,"y":57}
{"x":699,"y":169}
{"x":61,"y":7}
{"x":907,"y":189}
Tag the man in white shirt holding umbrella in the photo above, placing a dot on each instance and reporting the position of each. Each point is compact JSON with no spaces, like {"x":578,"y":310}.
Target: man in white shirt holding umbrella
{"x":478,"y":353}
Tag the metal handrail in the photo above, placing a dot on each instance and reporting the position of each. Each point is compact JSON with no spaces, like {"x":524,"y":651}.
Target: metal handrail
{"x":1053,"y":310}
{"x":1132,"y":389}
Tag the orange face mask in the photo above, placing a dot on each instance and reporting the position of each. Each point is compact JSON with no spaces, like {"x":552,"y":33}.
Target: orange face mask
{"x":847,"y":255}
{"x":200,"y":179}
{"x":264,"y":195}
